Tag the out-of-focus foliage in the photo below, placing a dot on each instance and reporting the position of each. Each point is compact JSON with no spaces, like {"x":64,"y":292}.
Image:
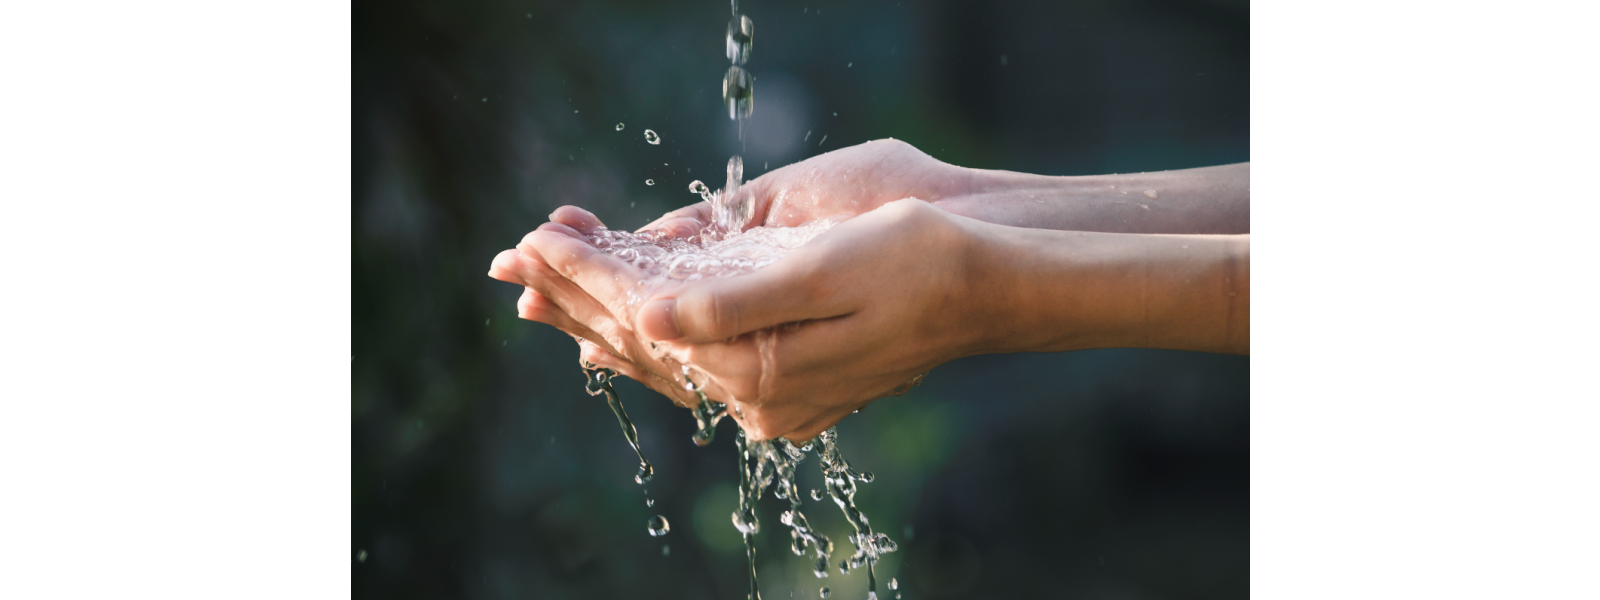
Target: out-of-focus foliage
{"x":482,"y":470}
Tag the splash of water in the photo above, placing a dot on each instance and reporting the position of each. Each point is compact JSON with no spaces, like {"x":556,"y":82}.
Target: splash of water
{"x":599,"y":382}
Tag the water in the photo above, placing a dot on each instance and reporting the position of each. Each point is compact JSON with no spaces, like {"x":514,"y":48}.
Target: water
{"x":725,"y":248}
{"x":599,"y":382}
{"x":659,"y":526}
{"x":738,"y":93}
{"x":741,"y":34}
{"x":649,"y":182}
{"x":824,"y":592}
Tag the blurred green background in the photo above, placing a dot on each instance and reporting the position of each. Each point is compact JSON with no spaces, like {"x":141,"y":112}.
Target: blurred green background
{"x":482,"y":470}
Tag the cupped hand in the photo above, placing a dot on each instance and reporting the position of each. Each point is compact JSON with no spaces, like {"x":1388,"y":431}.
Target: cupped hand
{"x":842,"y":183}
{"x":858,"y":312}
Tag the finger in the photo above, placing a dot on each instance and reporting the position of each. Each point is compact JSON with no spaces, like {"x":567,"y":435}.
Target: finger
{"x":683,"y":222}
{"x":603,"y":277}
{"x":504,"y":267}
{"x":793,"y":289}
{"x":533,"y":306}
{"x":532,"y":271}
{"x":576,"y":218}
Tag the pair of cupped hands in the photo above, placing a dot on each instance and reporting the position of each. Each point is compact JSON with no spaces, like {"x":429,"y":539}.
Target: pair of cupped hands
{"x":856,"y":314}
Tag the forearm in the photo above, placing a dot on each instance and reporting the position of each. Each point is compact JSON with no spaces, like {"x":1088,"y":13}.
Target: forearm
{"x":1057,"y":291}
{"x":1210,"y":200}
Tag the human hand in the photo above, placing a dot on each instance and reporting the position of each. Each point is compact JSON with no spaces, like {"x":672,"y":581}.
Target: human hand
{"x":841,"y":183}
{"x":845,"y":338}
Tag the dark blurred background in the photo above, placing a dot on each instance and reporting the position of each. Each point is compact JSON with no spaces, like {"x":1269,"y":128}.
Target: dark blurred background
{"x":482,"y":470}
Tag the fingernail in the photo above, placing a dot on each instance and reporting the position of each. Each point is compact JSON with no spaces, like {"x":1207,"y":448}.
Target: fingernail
{"x":658,"y":319}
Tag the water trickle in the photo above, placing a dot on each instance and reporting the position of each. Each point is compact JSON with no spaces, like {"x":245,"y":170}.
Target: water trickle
{"x":598,"y":381}
{"x":619,"y":127}
{"x":659,"y":526}
{"x":731,"y":210}
{"x":650,"y":136}
{"x":741,"y":34}
{"x":738,"y":93}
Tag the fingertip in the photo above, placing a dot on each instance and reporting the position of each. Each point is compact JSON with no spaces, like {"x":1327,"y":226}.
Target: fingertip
{"x":576,"y":218}
{"x":504,"y":267}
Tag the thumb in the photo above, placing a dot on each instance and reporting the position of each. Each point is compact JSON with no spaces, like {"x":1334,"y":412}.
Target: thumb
{"x":718,"y":309}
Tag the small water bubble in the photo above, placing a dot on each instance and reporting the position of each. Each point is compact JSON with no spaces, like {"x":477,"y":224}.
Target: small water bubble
{"x":666,"y":550}
{"x":650,"y":136}
{"x":1151,"y":194}
{"x":361,"y":556}
{"x":659,"y":526}
{"x":649,"y":182}
{"x":816,"y":494}
{"x":649,"y":501}
{"x":741,"y":34}
{"x":847,"y":65}
{"x":619,"y":127}
{"x":486,"y":99}
{"x":1003,"y":60}
{"x":824,"y":592}
{"x":824,"y":139}
{"x":866,"y":477}
{"x":738,"y":92}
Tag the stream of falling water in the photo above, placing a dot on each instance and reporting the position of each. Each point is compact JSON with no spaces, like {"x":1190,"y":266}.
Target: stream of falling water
{"x":723,"y":249}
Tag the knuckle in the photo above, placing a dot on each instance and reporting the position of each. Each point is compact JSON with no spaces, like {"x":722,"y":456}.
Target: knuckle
{"x":721,"y":315}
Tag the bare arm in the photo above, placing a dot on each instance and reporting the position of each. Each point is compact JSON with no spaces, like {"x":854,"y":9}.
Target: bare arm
{"x":1209,"y":200}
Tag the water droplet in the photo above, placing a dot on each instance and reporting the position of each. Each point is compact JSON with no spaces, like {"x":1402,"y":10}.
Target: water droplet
{"x":530,"y":15}
{"x":824,"y":139}
{"x":485,"y":99}
{"x":808,"y":136}
{"x":738,"y":92}
{"x":619,"y":127}
{"x":824,"y":592}
{"x":666,"y":550}
{"x":659,"y":526}
{"x":361,"y":556}
{"x":649,"y":501}
{"x":649,"y":182}
{"x":1003,"y":60}
{"x":866,"y":477}
{"x":650,"y":136}
{"x":698,"y":187}
{"x":894,"y":584}
{"x":848,"y":65}
{"x":1151,"y":194}
{"x":741,"y":34}
{"x":816,"y":495}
